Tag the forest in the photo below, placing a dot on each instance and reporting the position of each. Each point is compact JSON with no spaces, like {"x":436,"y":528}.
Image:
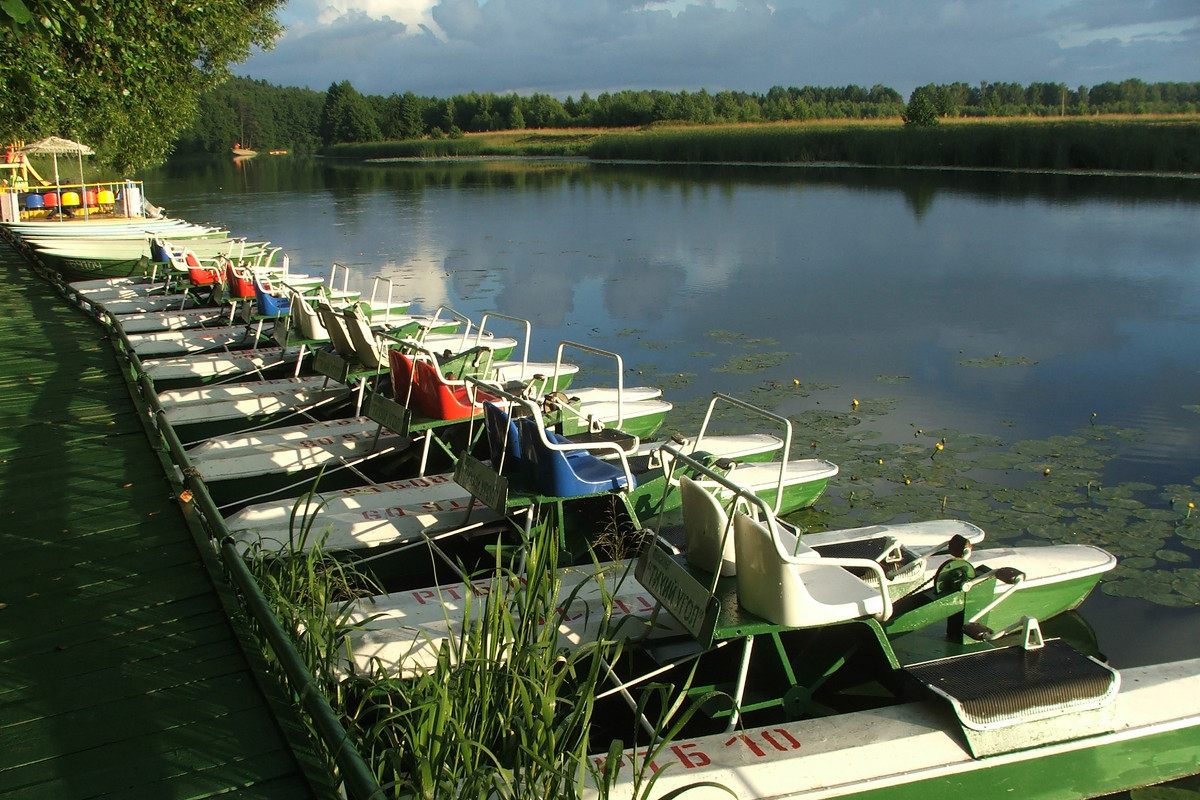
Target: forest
{"x":266,"y":117}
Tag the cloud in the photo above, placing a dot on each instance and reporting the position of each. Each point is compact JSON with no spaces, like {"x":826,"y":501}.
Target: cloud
{"x":561,"y":47}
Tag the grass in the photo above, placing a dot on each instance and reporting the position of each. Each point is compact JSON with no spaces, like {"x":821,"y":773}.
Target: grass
{"x":1162,"y":144}
{"x":504,"y":712}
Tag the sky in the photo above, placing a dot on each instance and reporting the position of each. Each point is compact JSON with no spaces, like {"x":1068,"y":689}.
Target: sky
{"x":441,"y":48}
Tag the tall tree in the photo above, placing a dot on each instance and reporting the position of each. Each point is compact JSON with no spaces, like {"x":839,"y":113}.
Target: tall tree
{"x":125,"y":81}
{"x":347,"y":116}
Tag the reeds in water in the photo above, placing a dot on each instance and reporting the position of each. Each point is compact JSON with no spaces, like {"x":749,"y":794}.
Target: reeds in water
{"x":503,"y":712}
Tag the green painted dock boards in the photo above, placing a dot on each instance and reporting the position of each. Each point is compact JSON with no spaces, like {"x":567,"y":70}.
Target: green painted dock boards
{"x":121,"y":674}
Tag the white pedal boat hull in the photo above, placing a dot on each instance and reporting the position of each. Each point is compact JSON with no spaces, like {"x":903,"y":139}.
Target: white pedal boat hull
{"x":244,"y":400}
{"x":153,"y":321}
{"x":916,"y":750}
{"x":203,"y":366}
{"x":290,"y":450}
{"x":191,"y":340}
{"x":363,"y":529}
{"x":143,"y":305}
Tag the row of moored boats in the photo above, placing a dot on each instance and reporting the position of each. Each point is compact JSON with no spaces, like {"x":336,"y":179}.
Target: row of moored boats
{"x":427,"y":447}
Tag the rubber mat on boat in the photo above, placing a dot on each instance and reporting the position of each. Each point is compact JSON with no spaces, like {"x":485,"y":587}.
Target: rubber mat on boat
{"x":1010,"y":685}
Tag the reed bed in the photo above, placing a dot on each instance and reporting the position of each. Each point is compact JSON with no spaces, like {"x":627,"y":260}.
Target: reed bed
{"x":1128,"y":144}
{"x":503,"y":713}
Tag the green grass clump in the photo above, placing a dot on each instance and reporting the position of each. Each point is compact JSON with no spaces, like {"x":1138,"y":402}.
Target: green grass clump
{"x":504,"y":712}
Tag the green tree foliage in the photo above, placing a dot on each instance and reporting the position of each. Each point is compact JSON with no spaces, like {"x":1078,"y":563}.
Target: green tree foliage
{"x":125,"y":80}
{"x":347,"y":116}
{"x":257,"y":114}
{"x":274,"y":117}
{"x":921,"y":111}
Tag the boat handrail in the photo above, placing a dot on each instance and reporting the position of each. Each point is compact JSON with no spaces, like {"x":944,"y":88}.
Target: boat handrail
{"x":375,"y":284}
{"x":528,"y":335}
{"x":470,"y":325}
{"x":787,"y":438}
{"x":587,"y":348}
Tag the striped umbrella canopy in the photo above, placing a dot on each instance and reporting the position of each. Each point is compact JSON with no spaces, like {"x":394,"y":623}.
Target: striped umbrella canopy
{"x":57,"y":146}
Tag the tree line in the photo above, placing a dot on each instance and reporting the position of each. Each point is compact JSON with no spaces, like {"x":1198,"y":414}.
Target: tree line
{"x":262,"y":116}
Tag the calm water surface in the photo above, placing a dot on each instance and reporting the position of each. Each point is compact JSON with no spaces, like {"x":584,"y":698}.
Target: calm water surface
{"x":1015,"y":306}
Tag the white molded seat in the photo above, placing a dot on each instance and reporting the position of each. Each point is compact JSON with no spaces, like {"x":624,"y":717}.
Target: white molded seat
{"x":335,"y":326}
{"x":802,"y":590}
{"x":370,"y":351}
{"x":709,"y":540}
{"x":308,"y":322}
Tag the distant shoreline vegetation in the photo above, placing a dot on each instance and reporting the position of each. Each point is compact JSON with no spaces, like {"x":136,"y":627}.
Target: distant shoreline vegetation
{"x":1168,"y":145}
{"x":1130,"y":126}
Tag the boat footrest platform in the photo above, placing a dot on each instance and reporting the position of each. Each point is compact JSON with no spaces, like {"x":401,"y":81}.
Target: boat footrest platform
{"x":1015,"y":697}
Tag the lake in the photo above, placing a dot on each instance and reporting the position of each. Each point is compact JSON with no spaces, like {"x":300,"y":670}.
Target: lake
{"x":1041,"y":328}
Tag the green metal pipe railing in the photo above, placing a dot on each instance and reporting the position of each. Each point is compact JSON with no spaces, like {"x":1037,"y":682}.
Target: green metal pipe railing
{"x":360,"y":782}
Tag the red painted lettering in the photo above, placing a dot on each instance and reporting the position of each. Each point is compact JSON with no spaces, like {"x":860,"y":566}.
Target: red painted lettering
{"x":692,"y":759}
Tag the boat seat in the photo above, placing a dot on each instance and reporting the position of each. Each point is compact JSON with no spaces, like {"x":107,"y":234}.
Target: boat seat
{"x":34,"y":202}
{"x":239,"y":281}
{"x":566,"y":473}
{"x":335,"y":326}
{"x":204,"y":276}
{"x":709,"y":542}
{"x":803,"y":590}
{"x":270,"y":304}
{"x":367,"y":347}
{"x":70,"y":199}
{"x":105,"y":199}
{"x":504,"y":440}
{"x":50,"y":199}
{"x":442,"y":399}
{"x":401,"y":369}
{"x":308,"y":322}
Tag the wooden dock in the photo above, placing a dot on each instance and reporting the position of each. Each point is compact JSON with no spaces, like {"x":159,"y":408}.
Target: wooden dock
{"x":121,"y":673}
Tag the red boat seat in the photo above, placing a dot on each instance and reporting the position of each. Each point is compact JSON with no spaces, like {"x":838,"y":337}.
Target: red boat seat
{"x":240,"y":282}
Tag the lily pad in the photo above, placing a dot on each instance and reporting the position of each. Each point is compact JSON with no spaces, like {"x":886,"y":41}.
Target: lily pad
{"x":997,"y":360}
{"x":755,"y":362}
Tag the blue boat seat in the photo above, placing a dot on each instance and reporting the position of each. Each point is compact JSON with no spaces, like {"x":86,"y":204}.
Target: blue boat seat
{"x":566,"y":473}
{"x":269,"y":304}
{"x":504,"y":440}
{"x":33,"y":202}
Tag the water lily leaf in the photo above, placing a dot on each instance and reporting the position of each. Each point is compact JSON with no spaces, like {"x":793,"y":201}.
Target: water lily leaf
{"x":1172,"y":556}
{"x":756,"y":362}
{"x":997,"y":461}
{"x":997,"y":360}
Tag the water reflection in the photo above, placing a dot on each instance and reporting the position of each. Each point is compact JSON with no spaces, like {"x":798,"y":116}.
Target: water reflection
{"x":854,"y":273}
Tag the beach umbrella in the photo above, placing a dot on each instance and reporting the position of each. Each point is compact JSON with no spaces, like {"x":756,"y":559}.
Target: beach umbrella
{"x":57,"y":146}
